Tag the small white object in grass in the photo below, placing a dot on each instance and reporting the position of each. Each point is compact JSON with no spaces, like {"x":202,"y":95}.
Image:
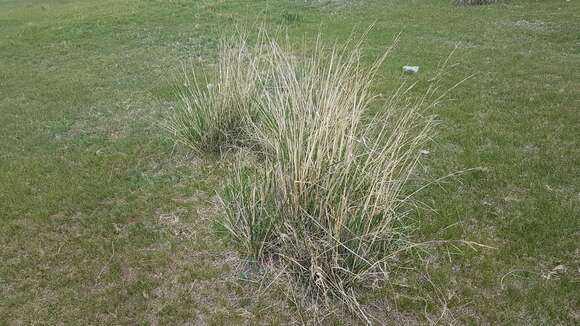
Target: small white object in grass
{"x":424,"y":152}
{"x":411,"y":69}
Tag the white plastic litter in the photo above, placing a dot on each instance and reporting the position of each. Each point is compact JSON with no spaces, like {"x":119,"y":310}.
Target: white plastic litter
{"x":411,"y":69}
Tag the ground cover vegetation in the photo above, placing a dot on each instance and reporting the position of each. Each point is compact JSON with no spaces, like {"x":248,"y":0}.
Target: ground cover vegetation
{"x":105,"y":220}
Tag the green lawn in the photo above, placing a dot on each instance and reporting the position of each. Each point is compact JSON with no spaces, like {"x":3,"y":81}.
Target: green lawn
{"x":104,"y":221}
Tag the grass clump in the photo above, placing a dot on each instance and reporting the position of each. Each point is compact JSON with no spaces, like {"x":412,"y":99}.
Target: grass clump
{"x":327,"y":199}
{"x":211,"y":112}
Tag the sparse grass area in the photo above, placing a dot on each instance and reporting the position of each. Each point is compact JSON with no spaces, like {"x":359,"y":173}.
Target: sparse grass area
{"x":103,"y":221}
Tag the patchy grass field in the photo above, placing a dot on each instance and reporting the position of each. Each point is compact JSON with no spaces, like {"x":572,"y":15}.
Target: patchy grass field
{"x":104,"y":221}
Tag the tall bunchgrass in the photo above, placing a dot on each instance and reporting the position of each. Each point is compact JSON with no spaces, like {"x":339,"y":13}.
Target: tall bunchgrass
{"x":326,"y":196}
{"x":327,"y":200}
{"x":210,"y":115}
